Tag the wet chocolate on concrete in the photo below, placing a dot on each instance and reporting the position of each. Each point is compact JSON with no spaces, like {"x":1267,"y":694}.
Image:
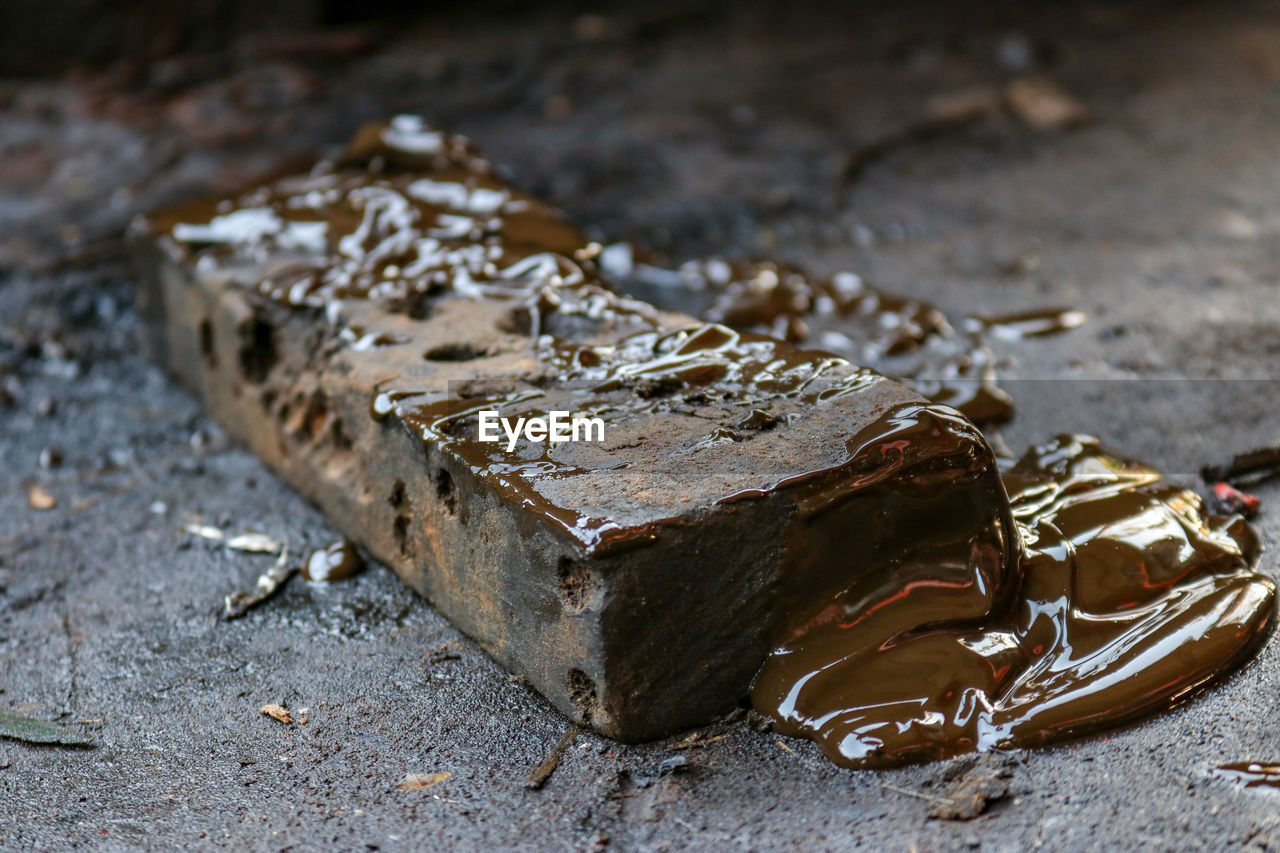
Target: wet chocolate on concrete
{"x":920,"y":602}
{"x":1251,"y":774}
{"x":906,"y":338}
{"x":1123,"y":599}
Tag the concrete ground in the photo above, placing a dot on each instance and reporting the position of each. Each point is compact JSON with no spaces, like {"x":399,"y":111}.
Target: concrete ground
{"x":692,"y":129}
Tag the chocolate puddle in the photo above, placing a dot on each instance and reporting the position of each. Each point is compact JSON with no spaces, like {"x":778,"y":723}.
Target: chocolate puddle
{"x":1125,"y":599}
{"x":1251,"y":774}
{"x":1071,"y":592}
{"x":908,"y":339}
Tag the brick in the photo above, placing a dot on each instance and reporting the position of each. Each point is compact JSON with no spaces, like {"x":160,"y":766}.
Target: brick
{"x":345,"y":324}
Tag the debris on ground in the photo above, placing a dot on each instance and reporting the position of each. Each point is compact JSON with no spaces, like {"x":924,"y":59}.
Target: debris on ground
{"x":29,"y":730}
{"x":759,"y":722}
{"x":38,"y":498}
{"x":443,"y":652}
{"x":944,"y":118}
{"x":540,"y":774}
{"x":971,"y":787}
{"x":1044,"y":105}
{"x":1228,"y":500}
{"x":277,"y":712}
{"x":257,"y":543}
{"x":1250,"y":467}
{"x":674,"y":764}
{"x":700,"y":738}
{"x":422,"y":781}
{"x":205,"y":531}
{"x":336,"y":562}
{"x":1038,"y":103}
{"x":239,"y":603}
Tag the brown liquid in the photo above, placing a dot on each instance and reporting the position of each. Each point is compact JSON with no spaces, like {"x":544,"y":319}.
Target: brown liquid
{"x":1252,"y":774}
{"x":336,"y":562}
{"x":1124,"y":600}
{"x":909,"y":339}
{"x":641,"y":376}
{"x":1074,"y":592}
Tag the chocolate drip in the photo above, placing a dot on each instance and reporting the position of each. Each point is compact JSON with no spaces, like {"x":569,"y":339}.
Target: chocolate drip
{"x":908,"y":339}
{"x":1252,"y":774}
{"x":1124,"y":599}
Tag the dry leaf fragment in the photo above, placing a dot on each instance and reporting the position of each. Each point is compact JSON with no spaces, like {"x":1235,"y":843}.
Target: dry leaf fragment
{"x":24,"y":728}
{"x":205,"y":531}
{"x":269,"y":583}
{"x":277,"y":712}
{"x":422,"y":781}
{"x":38,"y":498}
{"x":1045,"y":105}
{"x":258,"y":543}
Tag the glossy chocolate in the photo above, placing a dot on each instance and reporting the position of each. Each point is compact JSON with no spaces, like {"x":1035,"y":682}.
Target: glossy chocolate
{"x":908,"y":339}
{"x":1124,"y":599}
{"x":1251,"y":774}
{"x":410,"y":219}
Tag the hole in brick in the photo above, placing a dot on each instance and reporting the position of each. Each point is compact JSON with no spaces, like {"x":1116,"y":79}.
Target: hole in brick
{"x":445,"y":491}
{"x":397,"y":499}
{"x":257,"y":349}
{"x":518,"y":322}
{"x":419,"y":309}
{"x":206,"y":343}
{"x":573,"y":579}
{"x":338,"y":432}
{"x":582,"y":692}
{"x":455,"y":352}
{"x":316,"y":415}
{"x":401,"y":532}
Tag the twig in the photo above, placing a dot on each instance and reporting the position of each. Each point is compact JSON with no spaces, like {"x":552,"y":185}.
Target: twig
{"x":540,"y":774}
{"x":919,"y":796}
{"x":925,"y":130}
{"x":1253,"y":466}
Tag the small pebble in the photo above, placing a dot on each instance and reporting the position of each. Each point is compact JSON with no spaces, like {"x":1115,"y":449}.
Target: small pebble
{"x":674,"y":764}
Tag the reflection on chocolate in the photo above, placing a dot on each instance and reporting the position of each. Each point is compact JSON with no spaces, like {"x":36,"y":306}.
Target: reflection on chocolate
{"x":1074,"y":591}
{"x":640,"y":376}
{"x":908,"y":339}
{"x":1251,"y":774}
{"x":409,"y":228}
{"x":1125,"y":599}
{"x":336,"y":562}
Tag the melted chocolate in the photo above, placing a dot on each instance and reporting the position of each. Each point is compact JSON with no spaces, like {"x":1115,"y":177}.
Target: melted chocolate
{"x":406,"y":217}
{"x":908,"y":339}
{"x":336,"y":562}
{"x":410,"y":218}
{"x":1251,"y":774}
{"x":1124,"y":599}
{"x":1075,"y":591}
{"x":641,"y":376}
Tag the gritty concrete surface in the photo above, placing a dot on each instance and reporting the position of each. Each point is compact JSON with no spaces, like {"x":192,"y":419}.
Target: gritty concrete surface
{"x":693,"y":130}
